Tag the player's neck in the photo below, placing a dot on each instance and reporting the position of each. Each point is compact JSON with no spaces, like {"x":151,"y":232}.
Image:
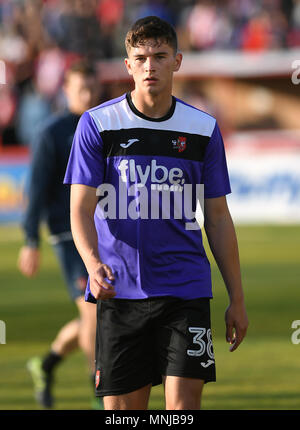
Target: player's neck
{"x":153,"y":106}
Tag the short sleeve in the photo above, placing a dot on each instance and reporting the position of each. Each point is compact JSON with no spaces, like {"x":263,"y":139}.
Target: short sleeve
{"x":215,"y":173}
{"x":86,"y":163}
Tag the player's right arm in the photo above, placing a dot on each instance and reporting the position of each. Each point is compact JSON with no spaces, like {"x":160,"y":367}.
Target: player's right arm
{"x":83,"y":205}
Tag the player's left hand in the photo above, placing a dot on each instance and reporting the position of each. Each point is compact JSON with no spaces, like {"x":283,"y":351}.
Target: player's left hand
{"x":236,"y":324}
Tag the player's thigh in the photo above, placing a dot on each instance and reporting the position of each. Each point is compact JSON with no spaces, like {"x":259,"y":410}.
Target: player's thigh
{"x":183,"y":393}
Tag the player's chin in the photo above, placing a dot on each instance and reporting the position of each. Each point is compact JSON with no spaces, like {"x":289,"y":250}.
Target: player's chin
{"x":153,"y":89}
{"x":153,"y":85}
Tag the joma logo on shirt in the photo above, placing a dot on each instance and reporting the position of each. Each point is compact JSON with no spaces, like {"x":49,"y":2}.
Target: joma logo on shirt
{"x":158,"y":174}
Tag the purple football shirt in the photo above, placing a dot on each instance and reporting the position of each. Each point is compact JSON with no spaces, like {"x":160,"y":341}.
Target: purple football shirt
{"x":146,"y":173}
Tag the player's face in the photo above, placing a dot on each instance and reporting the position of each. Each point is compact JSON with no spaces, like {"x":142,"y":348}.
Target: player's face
{"x":152,"y":66}
{"x":82,"y":92}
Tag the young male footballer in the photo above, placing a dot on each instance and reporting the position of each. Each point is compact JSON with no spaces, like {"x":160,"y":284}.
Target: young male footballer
{"x":135,"y":167}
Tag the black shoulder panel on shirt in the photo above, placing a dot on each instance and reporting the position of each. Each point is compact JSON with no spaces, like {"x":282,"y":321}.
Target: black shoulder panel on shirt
{"x":153,"y":142}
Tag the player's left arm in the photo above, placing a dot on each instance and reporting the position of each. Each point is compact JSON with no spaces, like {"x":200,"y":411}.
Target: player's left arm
{"x":222,"y":240}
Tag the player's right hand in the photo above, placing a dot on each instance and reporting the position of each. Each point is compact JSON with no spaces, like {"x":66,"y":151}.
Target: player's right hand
{"x":100,"y":288}
{"x":29,"y":261}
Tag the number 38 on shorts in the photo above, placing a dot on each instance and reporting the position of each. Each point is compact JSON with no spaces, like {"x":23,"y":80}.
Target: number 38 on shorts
{"x":203,"y":342}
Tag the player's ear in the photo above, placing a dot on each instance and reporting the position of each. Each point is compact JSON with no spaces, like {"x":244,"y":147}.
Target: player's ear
{"x":177,"y":62}
{"x":128,"y":66}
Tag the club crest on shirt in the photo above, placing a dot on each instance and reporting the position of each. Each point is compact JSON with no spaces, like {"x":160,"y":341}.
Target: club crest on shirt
{"x":179,"y":143}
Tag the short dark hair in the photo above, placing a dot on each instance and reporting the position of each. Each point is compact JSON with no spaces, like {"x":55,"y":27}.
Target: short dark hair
{"x":151,"y":27}
{"x":83,"y":67}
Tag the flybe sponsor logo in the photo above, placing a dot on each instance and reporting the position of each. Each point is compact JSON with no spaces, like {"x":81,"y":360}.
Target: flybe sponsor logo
{"x":145,"y":191}
{"x":159,"y":176}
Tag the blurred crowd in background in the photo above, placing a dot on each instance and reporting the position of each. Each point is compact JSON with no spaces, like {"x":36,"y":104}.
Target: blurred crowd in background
{"x":40,"y":38}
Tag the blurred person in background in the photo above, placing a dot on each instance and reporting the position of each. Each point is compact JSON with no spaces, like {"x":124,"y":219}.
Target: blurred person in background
{"x":110,"y":14}
{"x":159,"y":8}
{"x":48,"y":198}
{"x":8,"y":106}
{"x":294,"y":21}
{"x":78,"y":30}
{"x":33,"y":109}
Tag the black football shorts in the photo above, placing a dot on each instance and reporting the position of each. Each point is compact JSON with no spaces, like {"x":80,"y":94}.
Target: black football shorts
{"x":139,"y":341}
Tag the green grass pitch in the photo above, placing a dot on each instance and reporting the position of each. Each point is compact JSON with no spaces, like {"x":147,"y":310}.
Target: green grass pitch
{"x":264,"y":373}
